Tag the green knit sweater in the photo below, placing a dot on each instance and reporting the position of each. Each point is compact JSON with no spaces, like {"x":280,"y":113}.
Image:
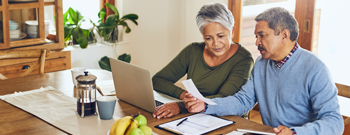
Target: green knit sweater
{"x":218,"y":81}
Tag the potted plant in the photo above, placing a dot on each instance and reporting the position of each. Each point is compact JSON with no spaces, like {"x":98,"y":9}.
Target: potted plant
{"x":109,"y":31}
{"x":72,"y":21}
{"x":109,"y":28}
{"x":104,"y":61}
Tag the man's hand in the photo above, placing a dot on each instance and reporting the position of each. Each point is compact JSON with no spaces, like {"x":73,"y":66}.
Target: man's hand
{"x":193,"y":104}
{"x":167,"y":110}
{"x":283,"y":130}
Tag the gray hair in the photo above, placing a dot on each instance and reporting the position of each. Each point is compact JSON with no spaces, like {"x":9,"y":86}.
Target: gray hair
{"x":280,"y":19}
{"x":215,"y":12}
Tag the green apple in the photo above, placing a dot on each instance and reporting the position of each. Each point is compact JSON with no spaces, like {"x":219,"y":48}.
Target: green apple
{"x":136,"y":131}
{"x":146,"y":130}
{"x":141,"y":120}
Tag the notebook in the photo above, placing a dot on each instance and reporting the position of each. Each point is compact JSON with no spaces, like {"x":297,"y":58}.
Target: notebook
{"x":195,"y":124}
{"x":133,"y":84}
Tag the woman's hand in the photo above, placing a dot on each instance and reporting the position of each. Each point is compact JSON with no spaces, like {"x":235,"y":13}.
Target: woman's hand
{"x":167,"y":110}
{"x":183,"y":94}
{"x":193,"y":104}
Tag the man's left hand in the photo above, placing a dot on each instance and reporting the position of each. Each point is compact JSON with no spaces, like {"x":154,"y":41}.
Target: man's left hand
{"x":167,"y":110}
{"x":283,"y":130}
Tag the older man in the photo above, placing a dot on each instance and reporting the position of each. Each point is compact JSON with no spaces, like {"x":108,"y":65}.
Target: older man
{"x":293,"y":87}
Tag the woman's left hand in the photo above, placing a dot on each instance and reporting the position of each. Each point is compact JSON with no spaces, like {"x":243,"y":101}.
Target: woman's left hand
{"x":167,"y":110}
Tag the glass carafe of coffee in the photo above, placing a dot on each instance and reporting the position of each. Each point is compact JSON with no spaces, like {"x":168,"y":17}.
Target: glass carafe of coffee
{"x":86,"y":94}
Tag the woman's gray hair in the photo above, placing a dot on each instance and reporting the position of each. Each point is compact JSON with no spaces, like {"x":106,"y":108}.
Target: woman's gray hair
{"x":215,"y":12}
{"x":280,"y":19}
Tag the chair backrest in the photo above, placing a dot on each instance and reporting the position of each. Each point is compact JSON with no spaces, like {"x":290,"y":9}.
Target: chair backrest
{"x":41,"y":54}
{"x":344,"y":90}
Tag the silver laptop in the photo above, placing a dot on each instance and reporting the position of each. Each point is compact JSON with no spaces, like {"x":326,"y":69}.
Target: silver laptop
{"x":133,"y":84}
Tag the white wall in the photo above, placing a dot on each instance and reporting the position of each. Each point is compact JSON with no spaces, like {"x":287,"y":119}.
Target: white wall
{"x":165,"y":27}
{"x":154,"y":40}
{"x":333,"y":46}
{"x":90,"y":56}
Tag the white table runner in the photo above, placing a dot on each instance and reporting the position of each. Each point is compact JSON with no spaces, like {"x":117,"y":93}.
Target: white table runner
{"x":59,"y":110}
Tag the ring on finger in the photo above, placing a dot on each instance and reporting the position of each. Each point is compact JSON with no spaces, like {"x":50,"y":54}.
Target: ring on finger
{"x":169,"y":111}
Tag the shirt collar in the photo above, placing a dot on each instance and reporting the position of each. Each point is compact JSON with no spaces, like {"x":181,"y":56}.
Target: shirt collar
{"x":281,"y":63}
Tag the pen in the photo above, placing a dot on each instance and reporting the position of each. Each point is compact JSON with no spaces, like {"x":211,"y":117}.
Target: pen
{"x":181,"y":122}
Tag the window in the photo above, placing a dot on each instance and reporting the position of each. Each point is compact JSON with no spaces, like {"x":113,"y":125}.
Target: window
{"x":333,"y":47}
{"x":251,"y":8}
{"x":87,"y":8}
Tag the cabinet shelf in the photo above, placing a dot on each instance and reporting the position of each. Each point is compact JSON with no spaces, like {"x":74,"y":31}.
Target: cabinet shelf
{"x":49,"y":3}
{"x":35,"y":34}
{"x":19,"y":13}
{"x":23,"y":5}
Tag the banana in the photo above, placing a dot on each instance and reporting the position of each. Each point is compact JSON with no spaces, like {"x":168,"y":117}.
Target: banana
{"x":114,"y":128}
{"x":123,"y":124}
{"x":134,"y":124}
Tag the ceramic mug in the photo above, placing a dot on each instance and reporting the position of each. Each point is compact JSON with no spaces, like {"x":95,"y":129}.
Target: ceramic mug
{"x":75,"y":72}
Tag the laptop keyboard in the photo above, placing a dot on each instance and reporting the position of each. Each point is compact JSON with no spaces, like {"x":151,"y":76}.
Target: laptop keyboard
{"x":158,"y":103}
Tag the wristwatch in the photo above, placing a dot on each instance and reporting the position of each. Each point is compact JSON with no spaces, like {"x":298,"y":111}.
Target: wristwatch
{"x":293,"y":131}
{"x":205,"y":108}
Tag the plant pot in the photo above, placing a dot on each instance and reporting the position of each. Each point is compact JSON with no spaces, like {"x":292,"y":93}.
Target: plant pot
{"x":115,"y":38}
{"x":75,"y":42}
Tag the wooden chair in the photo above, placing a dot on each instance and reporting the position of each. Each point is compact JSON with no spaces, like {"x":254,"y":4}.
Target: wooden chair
{"x":41,"y":54}
{"x":343,"y":90}
{"x":254,"y":114}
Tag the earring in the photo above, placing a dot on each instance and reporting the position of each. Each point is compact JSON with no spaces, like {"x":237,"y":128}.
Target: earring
{"x":206,"y":47}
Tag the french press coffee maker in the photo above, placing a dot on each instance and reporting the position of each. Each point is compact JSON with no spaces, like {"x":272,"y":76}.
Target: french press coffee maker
{"x":86,"y":94}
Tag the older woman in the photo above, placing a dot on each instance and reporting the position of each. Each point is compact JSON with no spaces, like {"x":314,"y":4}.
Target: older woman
{"x":217,"y":66}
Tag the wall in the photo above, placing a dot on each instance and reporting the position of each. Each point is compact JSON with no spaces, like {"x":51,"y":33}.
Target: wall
{"x":333,"y":47}
{"x":165,"y":27}
{"x":90,"y":56}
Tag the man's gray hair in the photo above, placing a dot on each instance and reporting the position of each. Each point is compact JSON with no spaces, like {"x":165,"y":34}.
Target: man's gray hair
{"x":215,"y":12}
{"x":280,"y":19}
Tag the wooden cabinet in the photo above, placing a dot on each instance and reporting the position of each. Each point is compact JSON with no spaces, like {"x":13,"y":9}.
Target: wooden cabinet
{"x":59,"y":60}
{"x":20,"y":12}
{"x":33,"y":24}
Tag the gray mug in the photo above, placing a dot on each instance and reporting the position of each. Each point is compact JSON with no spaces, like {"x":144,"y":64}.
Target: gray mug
{"x":105,"y":105}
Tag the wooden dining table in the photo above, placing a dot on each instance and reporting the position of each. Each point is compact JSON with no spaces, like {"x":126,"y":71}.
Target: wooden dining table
{"x":15,"y":121}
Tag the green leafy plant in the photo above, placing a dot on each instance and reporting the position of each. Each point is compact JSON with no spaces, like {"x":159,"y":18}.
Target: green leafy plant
{"x":92,"y":37}
{"x":105,"y":64}
{"x":72,"y":21}
{"x":109,"y":29}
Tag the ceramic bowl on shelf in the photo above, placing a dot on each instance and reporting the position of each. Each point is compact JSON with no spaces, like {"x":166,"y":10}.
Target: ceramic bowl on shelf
{"x":32,"y":28}
{"x":32,"y":22}
{"x":33,"y":35}
{"x":13,"y":25}
{"x":21,"y":36}
{"x":15,"y":33}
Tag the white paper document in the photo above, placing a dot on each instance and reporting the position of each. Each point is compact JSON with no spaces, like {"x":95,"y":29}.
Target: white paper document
{"x":196,"y":124}
{"x":107,"y":87}
{"x":236,"y":133}
{"x":255,"y":132}
{"x":191,"y":88}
